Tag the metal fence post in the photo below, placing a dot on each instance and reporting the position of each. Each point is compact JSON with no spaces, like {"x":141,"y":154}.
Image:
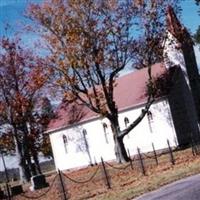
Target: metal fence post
{"x":129,"y":155}
{"x":141,"y":162}
{"x":62,"y":185}
{"x":193,"y":148}
{"x":171,"y":153}
{"x":155,"y":155}
{"x":106,"y":174}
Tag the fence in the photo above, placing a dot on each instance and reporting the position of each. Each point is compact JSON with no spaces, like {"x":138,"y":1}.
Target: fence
{"x":102,"y":177}
{"x":13,"y":173}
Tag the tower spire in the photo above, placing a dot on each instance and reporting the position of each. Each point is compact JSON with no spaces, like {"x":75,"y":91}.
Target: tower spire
{"x":180,"y":42}
{"x":175,"y":28}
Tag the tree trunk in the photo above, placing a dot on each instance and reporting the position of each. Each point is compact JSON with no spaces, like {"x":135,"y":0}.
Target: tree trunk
{"x":26,"y":158}
{"x":27,"y":149}
{"x":120,"y":151}
{"x":27,"y":155}
{"x":36,"y":161}
{"x":23,"y":170}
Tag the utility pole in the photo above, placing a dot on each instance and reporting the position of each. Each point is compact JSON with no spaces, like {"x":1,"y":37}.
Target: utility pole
{"x":6,"y":173}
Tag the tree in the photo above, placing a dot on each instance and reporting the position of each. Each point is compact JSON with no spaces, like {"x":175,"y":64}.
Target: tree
{"x":91,"y":42}
{"x":7,"y":142}
{"x":152,"y":17}
{"x":197,"y":2}
{"x":197,"y":34}
{"x":46,"y":113}
{"x":21,"y":80}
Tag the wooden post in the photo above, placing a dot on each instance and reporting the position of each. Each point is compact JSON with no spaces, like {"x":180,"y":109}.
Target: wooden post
{"x":193,"y":151}
{"x":129,"y":155}
{"x":171,"y":153}
{"x":62,"y":185}
{"x":106,"y":174}
{"x":193,"y":148}
{"x":141,"y":162}
{"x":155,"y":155}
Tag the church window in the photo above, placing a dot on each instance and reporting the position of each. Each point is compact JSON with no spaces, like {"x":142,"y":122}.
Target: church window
{"x":126,"y":122}
{"x":87,"y":145}
{"x":105,"y":127}
{"x":150,"y":120}
{"x":84,"y":132}
{"x":85,"y":138}
{"x":65,"y":141}
{"x":164,"y":103}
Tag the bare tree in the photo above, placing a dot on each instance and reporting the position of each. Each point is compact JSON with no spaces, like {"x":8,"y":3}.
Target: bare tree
{"x":91,"y":42}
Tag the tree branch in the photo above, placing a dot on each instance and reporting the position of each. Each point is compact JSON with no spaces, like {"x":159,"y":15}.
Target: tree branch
{"x":139,"y":119}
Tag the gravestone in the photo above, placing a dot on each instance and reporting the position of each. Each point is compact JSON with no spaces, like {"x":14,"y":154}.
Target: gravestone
{"x":38,"y":182}
{"x":15,"y":190}
{"x":1,"y":194}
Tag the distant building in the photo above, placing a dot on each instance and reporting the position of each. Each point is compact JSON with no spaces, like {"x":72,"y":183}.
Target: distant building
{"x":172,"y":117}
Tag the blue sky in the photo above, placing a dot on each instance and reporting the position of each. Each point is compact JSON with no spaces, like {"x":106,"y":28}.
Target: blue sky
{"x":190,"y":17}
{"x":11,"y":12}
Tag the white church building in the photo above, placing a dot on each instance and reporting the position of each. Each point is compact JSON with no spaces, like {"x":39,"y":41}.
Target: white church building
{"x":172,"y":117}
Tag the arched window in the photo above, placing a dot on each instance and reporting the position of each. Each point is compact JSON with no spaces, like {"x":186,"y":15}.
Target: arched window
{"x":126,"y":122}
{"x":150,"y":120}
{"x":105,"y":127}
{"x":149,"y":114}
{"x":86,"y":145}
{"x":65,"y":141}
{"x":85,"y":138}
{"x":84,"y":132}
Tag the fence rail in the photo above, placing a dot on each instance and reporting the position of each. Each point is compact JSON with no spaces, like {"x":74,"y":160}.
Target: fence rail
{"x":105,"y":174}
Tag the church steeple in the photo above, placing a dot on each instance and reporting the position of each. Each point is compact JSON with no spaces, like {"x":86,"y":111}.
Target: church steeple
{"x":176,"y":29}
{"x":179,"y":50}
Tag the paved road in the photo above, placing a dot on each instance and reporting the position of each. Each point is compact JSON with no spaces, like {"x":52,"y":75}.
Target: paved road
{"x":185,"y":189}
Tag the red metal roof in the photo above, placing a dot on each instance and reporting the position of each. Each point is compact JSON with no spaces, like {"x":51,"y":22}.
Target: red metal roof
{"x":129,"y":92}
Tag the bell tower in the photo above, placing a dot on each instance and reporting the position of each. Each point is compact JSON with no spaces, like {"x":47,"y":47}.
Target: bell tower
{"x":178,"y":50}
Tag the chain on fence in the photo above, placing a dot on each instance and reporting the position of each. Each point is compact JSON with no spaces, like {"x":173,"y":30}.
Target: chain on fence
{"x":118,"y":168}
{"x":110,"y":173}
{"x":82,"y":181}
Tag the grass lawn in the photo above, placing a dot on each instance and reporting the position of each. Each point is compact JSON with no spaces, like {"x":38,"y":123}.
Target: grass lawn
{"x":125,"y":184}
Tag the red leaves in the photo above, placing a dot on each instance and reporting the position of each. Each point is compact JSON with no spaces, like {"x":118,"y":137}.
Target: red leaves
{"x":7,"y":142}
{"x":22,"y":76}
{"x":20,"y":70}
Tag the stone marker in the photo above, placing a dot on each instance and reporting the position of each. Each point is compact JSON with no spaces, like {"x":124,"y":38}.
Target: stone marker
{"x":1,"y":194}
{"x":15,"y":190}
{"x":38,"y":182}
